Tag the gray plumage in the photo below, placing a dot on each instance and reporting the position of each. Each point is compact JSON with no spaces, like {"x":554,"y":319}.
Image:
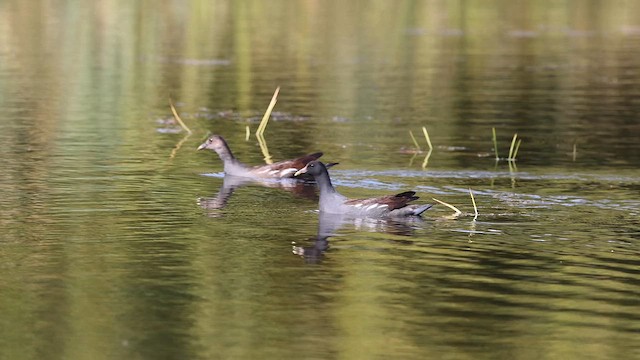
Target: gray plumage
{"x":384,"y":206}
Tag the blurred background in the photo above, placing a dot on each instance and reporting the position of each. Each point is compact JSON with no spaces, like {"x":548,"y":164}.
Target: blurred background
{"x":106,"y":254}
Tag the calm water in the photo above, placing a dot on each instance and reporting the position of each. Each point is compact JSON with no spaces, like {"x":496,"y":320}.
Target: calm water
{"x":120,"y":241}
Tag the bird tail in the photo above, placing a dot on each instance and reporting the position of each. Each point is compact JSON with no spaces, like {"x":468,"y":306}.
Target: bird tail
{"x":410,"y":210}
{"x":420,"y":209}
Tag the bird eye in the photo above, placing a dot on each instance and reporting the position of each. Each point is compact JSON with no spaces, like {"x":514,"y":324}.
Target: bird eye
{"x":311,"y":165}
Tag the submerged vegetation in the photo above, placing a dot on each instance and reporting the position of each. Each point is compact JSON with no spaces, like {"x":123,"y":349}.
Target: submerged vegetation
{"x":513,"y":149}
{"x":513,"y":152}
{"x":457,"y":213}
{"x":177,"y":117}
{"x":418,"y":150}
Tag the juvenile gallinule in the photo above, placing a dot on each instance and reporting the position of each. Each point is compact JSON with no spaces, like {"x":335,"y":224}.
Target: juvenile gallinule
{"x":279,"y":170}
{"x":385,"y":206}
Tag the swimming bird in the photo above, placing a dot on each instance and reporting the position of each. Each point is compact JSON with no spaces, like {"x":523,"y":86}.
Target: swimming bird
{"x":278,"y":170}
{"x":384,"y":206}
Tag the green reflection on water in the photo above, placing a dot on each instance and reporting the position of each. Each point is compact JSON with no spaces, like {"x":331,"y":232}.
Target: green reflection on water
{"x":106,"y":254}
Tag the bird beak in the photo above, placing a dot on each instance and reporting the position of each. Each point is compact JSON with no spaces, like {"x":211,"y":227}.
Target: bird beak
{"x":301,"y":171}
{"x":202,"y":146}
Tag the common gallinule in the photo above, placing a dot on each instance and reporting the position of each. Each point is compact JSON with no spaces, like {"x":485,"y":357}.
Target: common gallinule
{"x":279,"y":170}
{"x":385,"y":206}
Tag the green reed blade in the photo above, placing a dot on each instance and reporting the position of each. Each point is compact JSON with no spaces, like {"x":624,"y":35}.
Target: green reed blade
{"x":265,"y":118}
{"x":495,"y":143}
{"x":515,"y":152}
{"x":475,"y":208}
{"x":513,"y":143}
{"x":415,"y":142}
{"x":426,"y":136}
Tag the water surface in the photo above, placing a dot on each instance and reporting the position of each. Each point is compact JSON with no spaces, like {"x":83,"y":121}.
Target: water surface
{"x":119,"y":240}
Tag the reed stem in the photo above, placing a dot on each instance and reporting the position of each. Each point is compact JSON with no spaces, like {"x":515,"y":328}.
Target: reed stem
{"x":267,"y":114}
{"x":475,"y":208}
{"x":495,"y":144}
{"x":426,"y":136}
{"x":513,"y":143}
{"x":415,"y":142}
{"x":457,"y":212}
{"x":175,"y":114}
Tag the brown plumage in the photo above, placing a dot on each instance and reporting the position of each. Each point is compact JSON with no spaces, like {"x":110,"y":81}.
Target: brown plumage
{"x":278,"y":170}
{"x":392,"y":201}
{"x":284,"y":168}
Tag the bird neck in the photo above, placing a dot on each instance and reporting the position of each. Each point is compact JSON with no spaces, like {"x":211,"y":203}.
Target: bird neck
{"x":225,"y":154}
{"x":324,"y":184}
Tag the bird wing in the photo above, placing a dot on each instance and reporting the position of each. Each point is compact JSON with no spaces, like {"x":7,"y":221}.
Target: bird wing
{"x":285,"y":168}
{"x":392,"y":201}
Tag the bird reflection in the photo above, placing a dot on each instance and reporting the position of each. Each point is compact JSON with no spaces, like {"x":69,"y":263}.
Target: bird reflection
{"x":329,"y":224}
{"x":213,"y":205}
